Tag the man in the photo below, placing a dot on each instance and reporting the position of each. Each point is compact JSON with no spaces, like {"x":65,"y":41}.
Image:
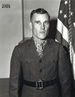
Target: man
{"x":40,"y":67}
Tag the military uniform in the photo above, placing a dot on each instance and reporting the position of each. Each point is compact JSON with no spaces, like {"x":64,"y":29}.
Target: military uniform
{"x":26,"y":65}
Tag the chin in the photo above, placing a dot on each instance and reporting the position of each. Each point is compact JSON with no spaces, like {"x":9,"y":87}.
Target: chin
{"x":42,"y":38}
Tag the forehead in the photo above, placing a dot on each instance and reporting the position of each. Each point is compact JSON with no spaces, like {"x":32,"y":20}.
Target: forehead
{"x":40,"y":17}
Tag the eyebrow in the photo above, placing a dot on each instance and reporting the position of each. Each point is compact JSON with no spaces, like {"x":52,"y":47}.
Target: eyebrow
{"x":39,"y":21}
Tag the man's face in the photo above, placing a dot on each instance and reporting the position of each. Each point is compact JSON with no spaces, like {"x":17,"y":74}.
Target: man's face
{"x":40,"y":25}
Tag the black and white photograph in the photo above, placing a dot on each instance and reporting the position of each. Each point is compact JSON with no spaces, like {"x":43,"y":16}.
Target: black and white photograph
{"x":37,"y":48}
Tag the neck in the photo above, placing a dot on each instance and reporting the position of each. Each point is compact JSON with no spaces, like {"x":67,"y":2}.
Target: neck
{"x":39,"y":40}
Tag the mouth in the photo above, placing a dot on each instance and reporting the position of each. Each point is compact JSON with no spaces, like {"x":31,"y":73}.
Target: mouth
{"x":42,"y":32}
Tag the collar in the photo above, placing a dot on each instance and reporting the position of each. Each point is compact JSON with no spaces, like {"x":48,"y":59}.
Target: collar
{"x":41,"y":43}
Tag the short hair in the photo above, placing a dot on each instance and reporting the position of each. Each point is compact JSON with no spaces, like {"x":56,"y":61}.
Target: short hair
{"x":39,"y":11}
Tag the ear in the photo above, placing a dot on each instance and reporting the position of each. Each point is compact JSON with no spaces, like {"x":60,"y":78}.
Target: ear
{"x":30,"y":25}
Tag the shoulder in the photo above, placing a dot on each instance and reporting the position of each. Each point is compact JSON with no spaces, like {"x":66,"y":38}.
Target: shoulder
{"x":54,"y":43}
{"x":57,"y":46}
{"x":22,"y":44}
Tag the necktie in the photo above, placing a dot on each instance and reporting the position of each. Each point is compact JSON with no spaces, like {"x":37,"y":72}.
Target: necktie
{"x":40,"y":46}
{"x":40,"y":49}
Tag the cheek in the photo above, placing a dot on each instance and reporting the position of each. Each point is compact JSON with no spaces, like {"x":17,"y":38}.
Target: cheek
{"x":47,"y":27}
{"x":37,"y":28}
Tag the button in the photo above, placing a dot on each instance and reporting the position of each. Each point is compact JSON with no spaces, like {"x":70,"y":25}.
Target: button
{"x":40,"y":70}
{"x":40,"y":60}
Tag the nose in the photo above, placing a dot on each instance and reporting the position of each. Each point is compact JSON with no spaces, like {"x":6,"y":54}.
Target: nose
{"x":43,"y":26}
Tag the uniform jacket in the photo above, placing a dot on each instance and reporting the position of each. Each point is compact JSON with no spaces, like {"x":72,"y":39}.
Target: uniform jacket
{"x":27,"y":65}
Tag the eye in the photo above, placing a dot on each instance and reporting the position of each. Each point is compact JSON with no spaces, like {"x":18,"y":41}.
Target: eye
{"x":38,"y":22}
{"x":46,"y":22}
